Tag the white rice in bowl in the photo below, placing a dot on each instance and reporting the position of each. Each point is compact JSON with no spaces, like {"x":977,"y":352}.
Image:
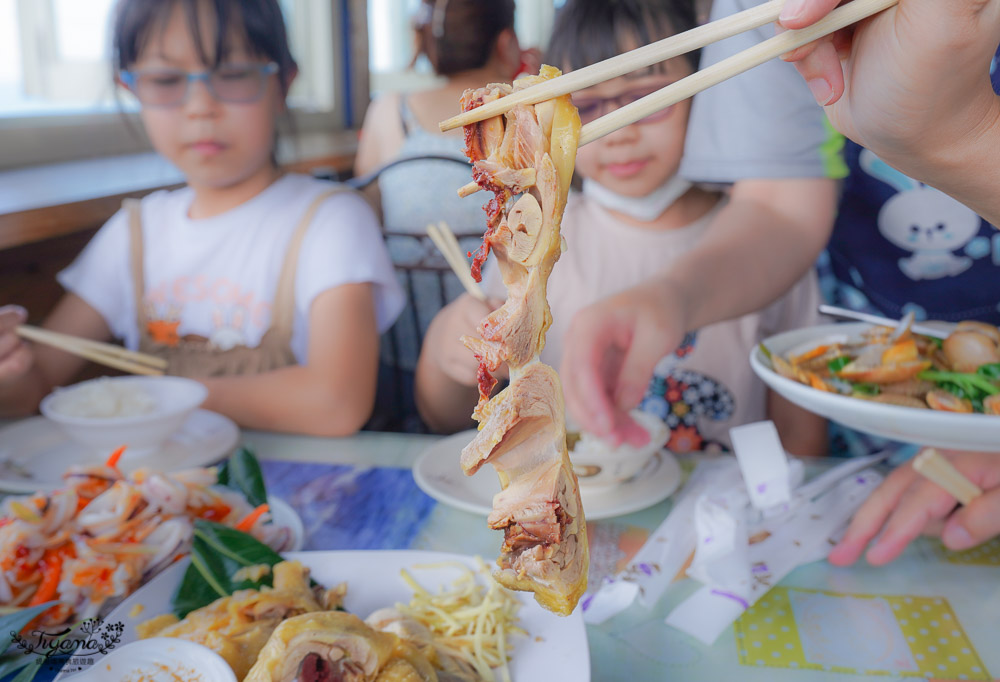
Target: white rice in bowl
{"x":103,"y":399}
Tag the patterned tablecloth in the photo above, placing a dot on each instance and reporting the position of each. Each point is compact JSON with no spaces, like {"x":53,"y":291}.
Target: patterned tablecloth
{"x":929,"y":615}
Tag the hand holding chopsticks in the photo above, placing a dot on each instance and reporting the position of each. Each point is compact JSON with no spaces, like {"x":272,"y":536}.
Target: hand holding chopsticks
{"x":698,"y":37}
{"x":910,"y":502}
{"x":448,"y":245}
{"x":105,"y":354}
{"x":628,"y":62}
{"x":933,"y":466}
{"x":851,"y":13}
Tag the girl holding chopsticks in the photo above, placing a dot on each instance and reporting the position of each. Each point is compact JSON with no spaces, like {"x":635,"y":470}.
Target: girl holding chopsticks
{"x":270,"y":288}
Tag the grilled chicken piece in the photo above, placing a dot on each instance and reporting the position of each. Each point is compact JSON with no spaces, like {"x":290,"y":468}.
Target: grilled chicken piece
{"x":522,"y":430}
{"x":334,"y":646}
{"x":515,"y":332}
{"x":523,"y":435}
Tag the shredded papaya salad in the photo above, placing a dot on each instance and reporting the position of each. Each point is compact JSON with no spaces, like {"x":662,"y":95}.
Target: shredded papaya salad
{"x":105,"y":533}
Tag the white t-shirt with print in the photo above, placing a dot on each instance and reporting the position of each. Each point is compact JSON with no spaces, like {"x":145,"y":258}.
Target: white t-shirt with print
{"x":707,"y":386}
{"x":215,"y":278}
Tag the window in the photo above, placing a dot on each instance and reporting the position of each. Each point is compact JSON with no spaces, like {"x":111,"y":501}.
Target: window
{"x":57,"y":100}
{"x":61,"y":62}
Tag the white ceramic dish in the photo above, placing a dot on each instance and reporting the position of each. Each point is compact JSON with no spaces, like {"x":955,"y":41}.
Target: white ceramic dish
{"x":437,"y":473}
{"x":907,"y":424}
{"x":159,"y":659}
{"x":555,"y":648}
{"x":173,"y":398}
{"x":598,"y":465}
{"x":34,"y":452}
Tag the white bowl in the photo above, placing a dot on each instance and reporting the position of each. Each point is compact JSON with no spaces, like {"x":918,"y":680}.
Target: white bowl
{"x":174,"y":398}
{"x":597,"y":464}
{"x":159,"y":659}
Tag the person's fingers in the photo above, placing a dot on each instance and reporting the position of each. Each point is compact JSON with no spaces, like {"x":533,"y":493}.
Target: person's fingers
{"x":16,"y":363}
{"x":868,"y":520}
{"x":934,"y":528}
{"x":9,"y":342}
{"x":975,"y":523}
{"x":823,"y":73}
{"x":627,"y":430}
{"x":802,"y":13}
{"x":925,"y":502}
{"x":843,"y":40}
{"x":584,"y":385}
{"x":11,"y":316}
{"x":649,"y":343}
{"x":799,"y":52}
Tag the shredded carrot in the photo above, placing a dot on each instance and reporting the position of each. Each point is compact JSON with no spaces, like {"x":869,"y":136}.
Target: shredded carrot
{"x":51,"y":565}
{"x":115,"y":456}
{"x":809,"y":355}
{"x":246,"y":523}
{"x":217,"y":511}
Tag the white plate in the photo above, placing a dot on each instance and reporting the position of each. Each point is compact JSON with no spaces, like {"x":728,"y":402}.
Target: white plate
{"x":34,"y":453}
{"x":907,"y":424}
{"x":438,"y":473}
{"x":555,"y":648}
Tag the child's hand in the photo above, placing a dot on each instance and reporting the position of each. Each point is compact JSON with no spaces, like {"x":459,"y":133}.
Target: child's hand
{"x":462,"y":319}
{"x":612,"y":347}
{"x":16,"y":356}
{"x":907,"y":505}
{"x":916,"y":74}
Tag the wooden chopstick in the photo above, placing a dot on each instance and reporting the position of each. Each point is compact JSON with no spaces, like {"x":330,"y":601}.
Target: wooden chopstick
{"x":848,"y":14}
{"x":630,"y":61}
{"x":452,"y":242}
{"x":95,"y":351}
{"x":99,"y":346}
{"x":446,"y":242}
{"x":848,"y":314}
{"x":844,"y":16}
{"x":931,"y":464}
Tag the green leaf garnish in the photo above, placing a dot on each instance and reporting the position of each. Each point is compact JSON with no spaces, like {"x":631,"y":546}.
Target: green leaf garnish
{"x":867,"y":389}
{"x":14,"y":659}
{"x":838,"y":363}
{"x":973,"y":385}
{"x":242,"y":472}
{"x":990,"y":371}
{"x":217,"y":553}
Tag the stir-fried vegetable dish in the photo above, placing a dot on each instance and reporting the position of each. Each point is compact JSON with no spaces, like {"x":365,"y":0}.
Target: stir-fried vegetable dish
{"x":960,"y":373}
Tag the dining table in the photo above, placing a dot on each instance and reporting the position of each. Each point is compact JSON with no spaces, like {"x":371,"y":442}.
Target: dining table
{"x":934,"y":611}
{"x":931,"y":614}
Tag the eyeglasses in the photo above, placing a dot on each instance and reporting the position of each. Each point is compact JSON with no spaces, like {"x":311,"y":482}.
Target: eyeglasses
{"x":231,"y":83}
{"x":592,"y":108}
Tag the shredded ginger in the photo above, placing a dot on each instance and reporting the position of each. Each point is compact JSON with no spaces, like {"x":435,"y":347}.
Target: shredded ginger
{"x":471,"y":621}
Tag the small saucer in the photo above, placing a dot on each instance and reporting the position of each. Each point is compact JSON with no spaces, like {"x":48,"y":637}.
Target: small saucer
{"x":438,"y":473}
{"x":34,"y":453}
{"x":159,"y":659}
